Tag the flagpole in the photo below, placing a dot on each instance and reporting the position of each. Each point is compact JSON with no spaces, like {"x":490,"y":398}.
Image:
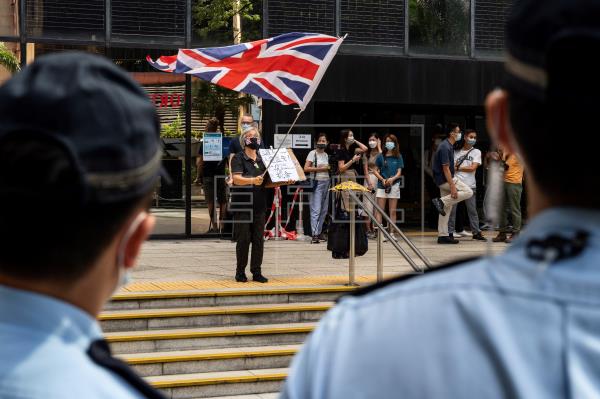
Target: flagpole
{"x":283,"y":141}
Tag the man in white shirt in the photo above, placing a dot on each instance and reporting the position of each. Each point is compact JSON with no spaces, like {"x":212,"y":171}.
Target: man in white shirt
{"x":467,"y":159}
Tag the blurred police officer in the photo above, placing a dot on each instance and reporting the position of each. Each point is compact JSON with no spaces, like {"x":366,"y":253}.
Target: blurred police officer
{"x":523,"y":324}
{"x":79,"y":157}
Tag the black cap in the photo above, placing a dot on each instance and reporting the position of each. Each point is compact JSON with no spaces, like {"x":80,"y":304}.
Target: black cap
{"x":551,"y":50}
{"x":97,"y":113}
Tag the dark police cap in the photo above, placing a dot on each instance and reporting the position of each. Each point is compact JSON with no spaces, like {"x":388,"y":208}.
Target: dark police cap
{"x":551,"y":49}
{"x":96,"y":112}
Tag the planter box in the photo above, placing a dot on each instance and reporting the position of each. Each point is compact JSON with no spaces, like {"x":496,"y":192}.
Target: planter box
{"x":175,"y":148}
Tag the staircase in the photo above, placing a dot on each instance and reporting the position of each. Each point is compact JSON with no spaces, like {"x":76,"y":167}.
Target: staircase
{"x":199,"y":344}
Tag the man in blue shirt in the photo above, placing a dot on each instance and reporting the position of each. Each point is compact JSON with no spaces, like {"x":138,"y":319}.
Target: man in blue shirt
{"x":79,"y":136}
{"x":452,"y":189}
{"x":523,"y":324}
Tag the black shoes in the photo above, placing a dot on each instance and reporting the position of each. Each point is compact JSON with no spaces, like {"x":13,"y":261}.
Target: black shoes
{"x":501,"y":237}
{"x":241,"y":278}
{"x":439,"y":206}
{"x":512,"y":237}
{"x":479,"y":237}
{"x":315,"y":240}
{"x":447,"y":240}
{"x":260,"y":278}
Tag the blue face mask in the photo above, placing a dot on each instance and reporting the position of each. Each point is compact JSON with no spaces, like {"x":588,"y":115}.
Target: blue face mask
{"x":246,"y":126}
{"x":471,"y":141}
{"x":390,"y":146}
{"x":458,"y":136}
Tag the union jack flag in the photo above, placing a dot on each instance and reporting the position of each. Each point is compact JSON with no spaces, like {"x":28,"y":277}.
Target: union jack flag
{"x":286,"y":68}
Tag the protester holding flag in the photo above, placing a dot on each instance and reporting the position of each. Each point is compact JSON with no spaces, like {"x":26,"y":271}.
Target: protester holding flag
{"x":248,"y":170}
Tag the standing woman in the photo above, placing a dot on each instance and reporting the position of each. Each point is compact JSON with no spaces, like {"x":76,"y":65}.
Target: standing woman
{"x":390,"y":165}
{"x":349,"y":160}
{"x":317,"y":164}
{"x":369,"y":165}
{"x":249,"y":206}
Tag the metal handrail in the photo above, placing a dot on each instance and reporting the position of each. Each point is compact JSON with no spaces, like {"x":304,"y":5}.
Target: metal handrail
{"x":404,"y":237}
{"x":382,"y":232}
{"x":354,"y":199}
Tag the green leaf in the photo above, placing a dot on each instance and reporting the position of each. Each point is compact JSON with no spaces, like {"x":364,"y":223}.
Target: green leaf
{"x":8,"y":59}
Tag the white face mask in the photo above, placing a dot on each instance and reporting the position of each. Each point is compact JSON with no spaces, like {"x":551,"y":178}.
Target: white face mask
{"x":372,"y":144}
{"x":124,"y":274}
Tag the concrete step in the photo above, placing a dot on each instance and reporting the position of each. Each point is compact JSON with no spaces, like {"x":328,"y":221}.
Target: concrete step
{"x":208,"y":337}
{"x":203,"y":385}
{"x":211,"y":316}
{"x":224,"y":297}
{"x":212,"y":360}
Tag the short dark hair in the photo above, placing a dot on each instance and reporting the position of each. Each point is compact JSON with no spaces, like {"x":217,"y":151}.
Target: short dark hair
{"x":537,"y":134}
{"x":469,"y":131}
{"x":450,"y":128}
{"x":322,"y":135}
{"x":47,"y":228}
{"x":212,"y":125}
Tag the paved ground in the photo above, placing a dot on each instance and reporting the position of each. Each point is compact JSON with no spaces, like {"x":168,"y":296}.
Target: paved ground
{"x":207,"y":263}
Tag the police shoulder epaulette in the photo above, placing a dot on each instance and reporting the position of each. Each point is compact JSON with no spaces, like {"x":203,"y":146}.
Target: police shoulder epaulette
{"x":385,"y":283}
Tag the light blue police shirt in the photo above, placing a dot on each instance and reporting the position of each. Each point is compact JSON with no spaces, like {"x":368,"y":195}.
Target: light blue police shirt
{"x":501,"y":327}
{"x":43,"y":344}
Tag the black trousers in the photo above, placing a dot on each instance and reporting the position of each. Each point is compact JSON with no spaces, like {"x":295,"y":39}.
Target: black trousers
{"x":249,"y":230}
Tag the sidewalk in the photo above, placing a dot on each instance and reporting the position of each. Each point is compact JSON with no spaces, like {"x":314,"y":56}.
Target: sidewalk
{"x":205,"y":264}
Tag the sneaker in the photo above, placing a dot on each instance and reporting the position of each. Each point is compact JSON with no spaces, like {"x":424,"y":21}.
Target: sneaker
{"x":260,"y":278}
{"x":439,"y":206}
{"x":447,"y":240}
{"x":323,"y":237}
{"x":512,"y":237}
{"x":457,"y":234}
{"x":371,"y":235}
{"x":241,"y":278}
{"x":501,"y":237}
{"x":479,"y":237}
{"x":315,"y":240}
{"x":464,"y":233}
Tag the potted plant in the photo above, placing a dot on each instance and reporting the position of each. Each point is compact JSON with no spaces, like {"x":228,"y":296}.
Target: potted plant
{"x":173,"y":137}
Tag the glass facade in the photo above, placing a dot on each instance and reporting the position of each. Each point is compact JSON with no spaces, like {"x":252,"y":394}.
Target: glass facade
{"x":440,"y":27}
{"x":128,"y":31}
{"x":62,"y":19}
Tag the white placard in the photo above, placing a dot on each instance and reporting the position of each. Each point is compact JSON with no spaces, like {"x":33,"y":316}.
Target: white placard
{"x":302,"y":141}
{"x":212,"y":147}
{"x":283,"y":167}
{"x":278,"y":138}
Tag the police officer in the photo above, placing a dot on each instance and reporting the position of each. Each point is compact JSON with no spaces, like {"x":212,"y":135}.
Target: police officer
{"x":523,"y":324}
{"x":79,"y":157}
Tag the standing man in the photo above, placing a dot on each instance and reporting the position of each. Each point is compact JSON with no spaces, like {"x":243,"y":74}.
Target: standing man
{"x":513,"y":188}
{"x":452,"y":189}
{"x":468,"y":159}
{"x":79,"y":135}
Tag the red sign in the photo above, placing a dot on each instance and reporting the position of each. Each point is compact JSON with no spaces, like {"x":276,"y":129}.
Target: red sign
{"x":172,"y":100}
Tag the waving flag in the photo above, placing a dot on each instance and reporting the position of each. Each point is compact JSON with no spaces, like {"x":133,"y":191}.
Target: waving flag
{"x":286,"y":68}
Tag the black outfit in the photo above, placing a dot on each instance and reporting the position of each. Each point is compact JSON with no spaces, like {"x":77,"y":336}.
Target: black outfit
{"x":249,"y":205}
{"x":347,"y":154}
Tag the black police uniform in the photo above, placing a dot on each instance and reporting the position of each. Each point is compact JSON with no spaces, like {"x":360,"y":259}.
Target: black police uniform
{"x":248,"y":204}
